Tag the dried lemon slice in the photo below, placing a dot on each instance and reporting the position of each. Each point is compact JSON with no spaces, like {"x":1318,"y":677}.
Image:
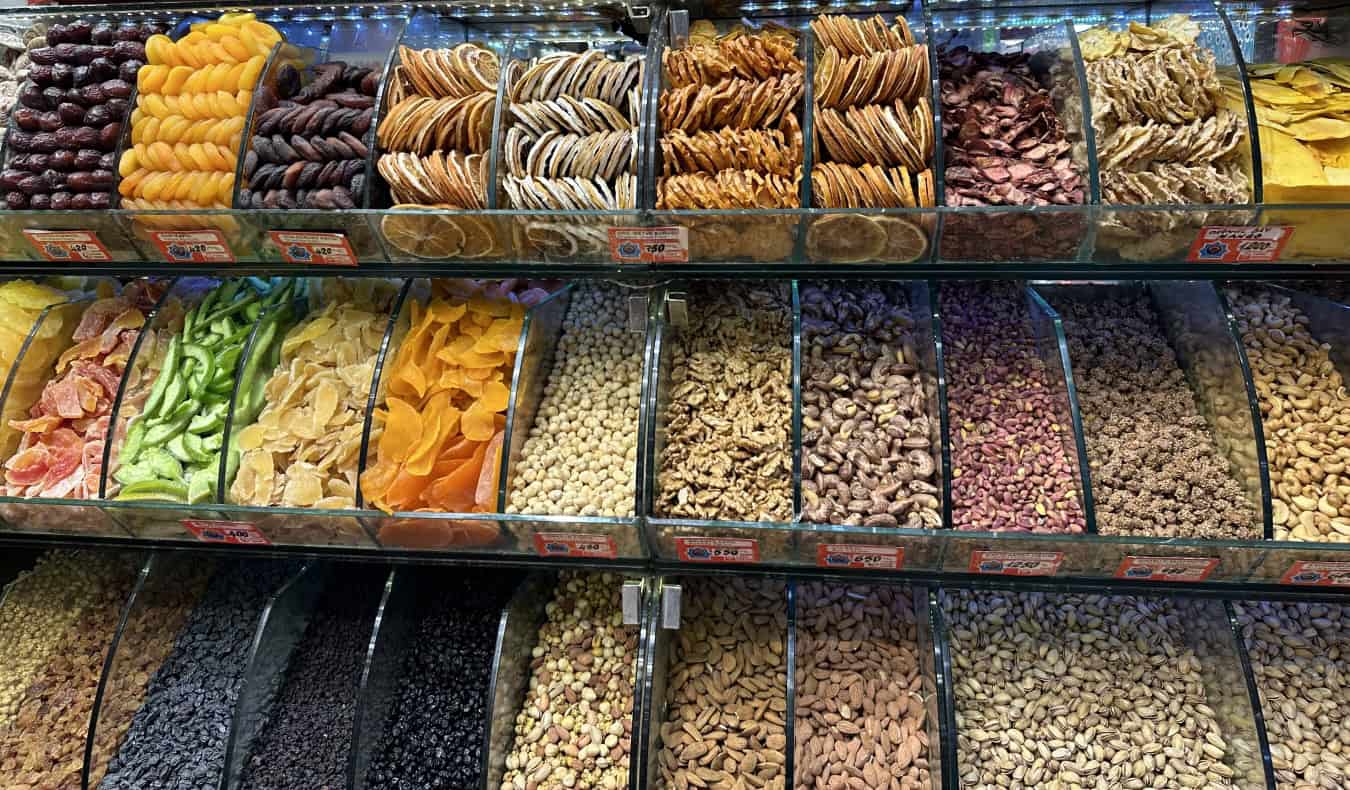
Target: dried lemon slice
{"x":905,"y":241}
{"x":845,"y":238}
{"x":424,"y":235}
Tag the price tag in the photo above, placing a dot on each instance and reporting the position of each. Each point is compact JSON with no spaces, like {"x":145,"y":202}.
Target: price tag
{"x":1016,"y":563}
{"x":237,"y":533}
{"x":849,"y":555}
{"x":1318,"y":574}
{"x":1167,"y":569}
{"x":570,"y":544}
{"x":68,"y":246}
{"x":1239,"y":244}
{"x":192,"y":246}
{"x":315,"y":249}
{"x":735,"y":550}
{"x":649,"y":245}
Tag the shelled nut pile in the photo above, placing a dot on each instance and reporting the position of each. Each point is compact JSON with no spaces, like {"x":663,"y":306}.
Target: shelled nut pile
{"x":726,"y":696}
{"x":572,"y":145}
{"x":580,"y":457}
{"x":728,"y":422}
{"x":576,"y":727}
{"x":1082,"y":691}
{"x":874,"y":130}
{"x":870,"y":452}
{"x":1305,"y":416}
{"x":1165,"y":134}
{"x":1156,"y":468}
{"x":1006,"y":144}
{"x":1300,"y":658}
{"x":309,"y":150}
{"x":740,"y":90}
{"x":1011,"y":466}
{"x":861,"y":709}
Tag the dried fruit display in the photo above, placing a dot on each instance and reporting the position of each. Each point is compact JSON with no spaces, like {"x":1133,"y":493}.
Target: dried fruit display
{"x":306,"y":445}
{"x":1006,"y":142}
{"x":442,"y":412}
{"x":60,"y":453}
{"x":309,"y":145}
{"x":1165,"y":134}
{"x":189,"y":117}
{"x":434,"y":140}
{"x":874,"y":132}
{"x":21,"y":303}
{"x":551,"y":164}
{"x":739,"y":86}
{"x":73,"y":105}
{"x":172,"y":448}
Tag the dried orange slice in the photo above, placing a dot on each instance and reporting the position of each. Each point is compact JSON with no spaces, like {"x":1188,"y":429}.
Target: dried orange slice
{"x":423,"y":235}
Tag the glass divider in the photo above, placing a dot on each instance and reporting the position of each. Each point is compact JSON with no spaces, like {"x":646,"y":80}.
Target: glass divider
{"x":500,"y":108}
{"x":396,"y":312}
{"x":1254,"y":405}
{"x":264,"y":90}
{"x":651,"y":92}
{"x":1245,"y":660}
{"x":655,"y":305}
{"x":509,"y":682}
{"x":386,"y":79}
{"x":378,"y":672}
{"x":653,"y":441}
{"x":926,"y":644}
{"x":796,"y":403}
{"x":942,"y":665}
{"x":1253,"y":135}
{"x":924,"y":295}
{"x":935,"y":105}
{"x":1088,"y":132}
{"x":31,"y":369}
{"x":790,"y":710}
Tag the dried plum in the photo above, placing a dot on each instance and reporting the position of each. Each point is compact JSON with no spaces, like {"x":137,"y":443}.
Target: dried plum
{"x":10,"y":179}
{"x":128,"y":50}
{"x":44,"y":56}
{"x":326,"y":76}
{"x":26,"y":119}
{"x":102,"y":32}
{"x":288,"y":81}
{"x":61,"y":201}
{"x":87,"y":159}
{"x":40,"y":201}
{"x":101,"y":69}
{"x":117,"y":89}
{"x":16,"y":200}
{"x":70,"y":113}
{"x":49,"y":121}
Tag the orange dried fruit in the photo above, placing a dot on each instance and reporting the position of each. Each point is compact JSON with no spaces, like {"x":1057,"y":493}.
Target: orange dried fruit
{"x":402,"y":427}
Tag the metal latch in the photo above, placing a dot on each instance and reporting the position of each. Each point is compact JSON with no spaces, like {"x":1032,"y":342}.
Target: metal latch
{"x":679,"y":28}
{"x":677,"y":308}
{"x":637,"y":314}
{"x":670,"y":606}
{"x":640,"y":14}
{"x":632,"y":602}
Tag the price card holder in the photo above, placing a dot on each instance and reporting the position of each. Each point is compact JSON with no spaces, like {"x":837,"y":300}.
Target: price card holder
{"x":1239,"y":244}
{"x":851,"y":555}
{"x":740,"y":551}
{"x":313,"y":248}
{"x":68,"y":246}
{"x":192,"y":246}
{"x":236,"y":533}
{"x":1015,"y":563}
{"x":649,"y":245}
{"x":1167,"y":569}
{"x":574,"y":544}
{"x":1318,"y":574}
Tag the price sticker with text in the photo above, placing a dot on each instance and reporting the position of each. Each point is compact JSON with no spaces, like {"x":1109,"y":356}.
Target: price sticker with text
{"x":1016,"y":563}
{"x":238,"y":533}
{"x":849,"y":555}
{"x":1167,"y":569}
{"x":1239,"y":244}
{"x":315,"y":249}
{"x":570,"y":544}
{"x":192,"y":246}
{"x":1318,"y":574}
{"x":732,"y":550}
{"x":649,"y":245}
{"x":68,"y":246}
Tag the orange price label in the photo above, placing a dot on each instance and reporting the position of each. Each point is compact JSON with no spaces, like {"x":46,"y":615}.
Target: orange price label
{"x":649,"y":245}
{"x":1318,"y":574}
{"x":573,"y":544}
{"x":68,"y":246}
{"x":850,"y":555}
{"x":744,"y":551}
{"x":1239,"y":244}
{"x":1167,"y":569}
{"x":192,"y":246}
{"x":312,"y":248}
{"x":238,"y":533}
{"x":1016,"y":563}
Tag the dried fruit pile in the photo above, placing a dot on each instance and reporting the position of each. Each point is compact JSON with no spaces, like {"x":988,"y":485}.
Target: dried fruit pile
{"x":305,"y":447}
{"x":73,"y":106}
{"x":1165,"y":134}
{"x":309,"y":150}
{"x":561,"y":158}
{"x":172,"y":448}
{"x":442,"y":418}
{"x":189,"y":117}
{"x":61,"y":451}
{"x":1006,"y":144}
{"x":740,"y":88}
{"x":874,"y":129}
{"x":434,"y":139}
{"x":21,"y":303}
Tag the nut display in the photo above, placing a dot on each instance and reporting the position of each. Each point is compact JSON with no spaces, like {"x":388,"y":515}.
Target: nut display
{"x":189,"y":118}
{"x":551,"y":164}
{"x":576,"y":726}
{"x":728,"y":443}
{"x":72,"y":107}
{"x":1084,"y":691}
{"x":1156,"y":467}
{"x":726,"y":688}
{"x":1300,"y":658}
{"x":1165,"y":134}
{"x":1305,"y":416}
{"x":1012,"y":468}
{"x":874,"y":132}
{"x":43,"y":743}
{"x":178,"y":737}
{"x":870,"y":447}
{"x":743,"y":86}
{"x":309,"y":150}
{"x":580,"y":456}
{"x":1006,"y":143}
{"x":862,"y":699}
